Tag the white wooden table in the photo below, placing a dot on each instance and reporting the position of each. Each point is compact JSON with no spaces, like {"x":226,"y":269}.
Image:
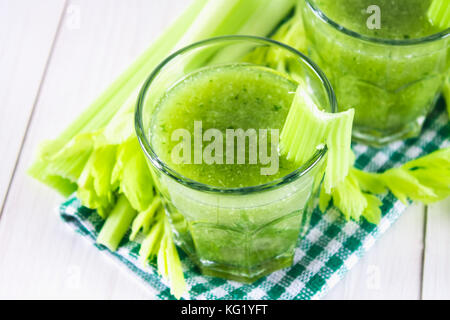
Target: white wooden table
{"x":56,"y":56}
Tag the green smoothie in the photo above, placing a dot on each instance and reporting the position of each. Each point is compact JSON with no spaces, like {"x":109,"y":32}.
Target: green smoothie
{"x":244,"y":234}
{"x":399,"y":19}
{"x":391,"y":84}
{"x":235,"y":96}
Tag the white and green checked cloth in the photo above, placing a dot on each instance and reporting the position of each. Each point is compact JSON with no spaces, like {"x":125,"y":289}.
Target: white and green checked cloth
{"x":331,"y":247}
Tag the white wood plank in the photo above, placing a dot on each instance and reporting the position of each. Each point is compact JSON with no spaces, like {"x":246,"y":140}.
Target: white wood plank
{"x":27,"y":31}
{"x":392,"y":268}
{"x":436,"y":280}
{"x":40,"y":256}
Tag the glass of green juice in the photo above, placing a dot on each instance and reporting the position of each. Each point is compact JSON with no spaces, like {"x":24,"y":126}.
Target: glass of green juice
{"x":207,"y":119}
{"x":384,"y":58}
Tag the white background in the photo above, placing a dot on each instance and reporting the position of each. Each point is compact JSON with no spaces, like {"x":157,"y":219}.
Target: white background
{"x":56,"y":56}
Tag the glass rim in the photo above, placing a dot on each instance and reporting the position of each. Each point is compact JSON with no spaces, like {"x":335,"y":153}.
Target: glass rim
{"x":190,"y":183}
{"x":392,"y":42}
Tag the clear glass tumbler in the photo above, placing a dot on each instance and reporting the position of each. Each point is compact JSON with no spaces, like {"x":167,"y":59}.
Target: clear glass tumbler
{"x":239,"y":233}
{"x":391,"y":84}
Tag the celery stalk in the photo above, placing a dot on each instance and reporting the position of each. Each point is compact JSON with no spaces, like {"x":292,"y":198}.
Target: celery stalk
{"x":439,"y":13}
{"x":250,"y":17}
{"x":105,"y":107}
{"x":175,"y":271}
{"x":144,"y":219}
{"x":307,"y":128}
{"x":169,"y":264}
{"x":202,"y":20}
{"x":150,"y":245}
{"x":117,"y":224}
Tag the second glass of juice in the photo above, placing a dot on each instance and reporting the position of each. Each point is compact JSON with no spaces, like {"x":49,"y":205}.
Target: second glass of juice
{"x":384,"y":58}
{"x":209,"y":119}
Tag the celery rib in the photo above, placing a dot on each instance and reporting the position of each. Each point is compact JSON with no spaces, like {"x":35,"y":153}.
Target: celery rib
{"x":117,"y":224}
{"x":144,"y":219}
{"x":105,"y":107}
{"x":439,"y":13}
{"x":307,"y":128}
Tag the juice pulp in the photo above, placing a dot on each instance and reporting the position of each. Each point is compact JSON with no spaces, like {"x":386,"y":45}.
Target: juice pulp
{"x":237,"y":96}
{"x":391,"y":87}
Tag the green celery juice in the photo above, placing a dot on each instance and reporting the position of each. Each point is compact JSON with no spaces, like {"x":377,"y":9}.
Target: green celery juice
{"x":384,"y":69}
{"x":233,"y":97}
{"x":399,"y":19}
{"x":241,"y":235}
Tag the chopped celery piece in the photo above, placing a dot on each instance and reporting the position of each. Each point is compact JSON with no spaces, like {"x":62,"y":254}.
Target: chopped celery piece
{"x":177,"y":283}
{"x":144,"y":219}
{"x":307,"y":128}
{"x":161,"y":257}
{"x":439,"y":13}
{"x":339,"y":148}
{"x":150,"y":245}
{"x":169,"y":264}
{"x":117,"y":224}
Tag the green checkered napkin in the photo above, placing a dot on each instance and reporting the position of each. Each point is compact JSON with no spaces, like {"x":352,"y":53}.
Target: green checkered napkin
{"x":331,"y":247}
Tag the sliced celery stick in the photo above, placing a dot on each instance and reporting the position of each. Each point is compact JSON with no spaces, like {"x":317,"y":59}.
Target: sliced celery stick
{"x":144,"y":219}
{"x":307,"y":128}
{"x":339,"y":138}
{"x":162,"y":256}
{"x":117,"y":224}
{"x":439,"y":13}
{"x":177,"y":283}
{"x":150,"y":245}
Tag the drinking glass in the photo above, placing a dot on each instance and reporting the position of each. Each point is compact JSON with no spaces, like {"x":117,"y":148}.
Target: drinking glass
{"x":235,"y":233}
{"x":391,"y":84}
